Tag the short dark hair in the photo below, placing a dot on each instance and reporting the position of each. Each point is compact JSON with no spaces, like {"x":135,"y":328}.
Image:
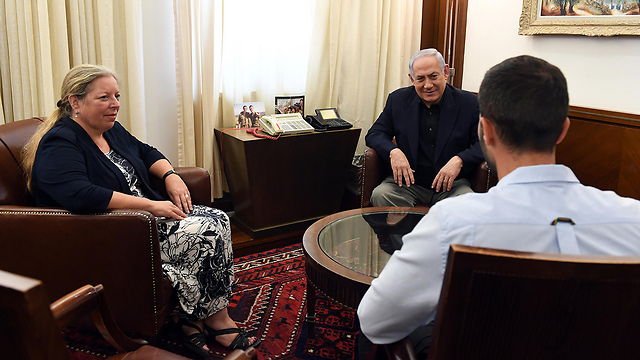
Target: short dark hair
{"x":527,"y":101}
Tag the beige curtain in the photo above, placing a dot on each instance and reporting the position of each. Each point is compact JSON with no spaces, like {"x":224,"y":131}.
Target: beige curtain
{"x":40,"y":40}
{"x":198,"y":57}
{"x":223,"y":62}
{"x":361,"y":54}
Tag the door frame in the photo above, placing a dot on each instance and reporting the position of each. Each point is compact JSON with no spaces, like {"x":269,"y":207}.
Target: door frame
{"x":444,"y":27}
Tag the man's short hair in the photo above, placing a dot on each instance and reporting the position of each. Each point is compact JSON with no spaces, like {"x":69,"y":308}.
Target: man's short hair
{"x":423,"y":53}
{"x":527,"y":101}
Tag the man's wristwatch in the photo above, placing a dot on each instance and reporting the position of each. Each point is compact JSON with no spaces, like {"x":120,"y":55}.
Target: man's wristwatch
{"x":172,"y":171}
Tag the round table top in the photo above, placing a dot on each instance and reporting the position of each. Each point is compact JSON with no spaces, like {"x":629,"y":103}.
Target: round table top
{"x":345,"y":251}
{"x":363,"y":240}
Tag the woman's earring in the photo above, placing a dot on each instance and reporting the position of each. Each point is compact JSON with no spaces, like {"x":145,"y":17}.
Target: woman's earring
{"x":76,"y":113}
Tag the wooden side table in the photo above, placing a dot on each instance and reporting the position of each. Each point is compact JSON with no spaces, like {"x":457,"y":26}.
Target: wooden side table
{"x":284,"y":185}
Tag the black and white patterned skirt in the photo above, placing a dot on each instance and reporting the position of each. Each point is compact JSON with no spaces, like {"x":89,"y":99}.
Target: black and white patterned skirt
{"x":197,"y":257}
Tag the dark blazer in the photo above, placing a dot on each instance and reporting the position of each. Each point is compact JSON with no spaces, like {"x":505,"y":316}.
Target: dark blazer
{"x":457,"y":129}
{"x":71,"y":172}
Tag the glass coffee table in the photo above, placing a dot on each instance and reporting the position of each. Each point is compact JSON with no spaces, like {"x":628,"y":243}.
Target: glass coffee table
{"x":344,"y":252}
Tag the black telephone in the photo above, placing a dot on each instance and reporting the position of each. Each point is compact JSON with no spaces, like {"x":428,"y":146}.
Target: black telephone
{"x":327,"y":119}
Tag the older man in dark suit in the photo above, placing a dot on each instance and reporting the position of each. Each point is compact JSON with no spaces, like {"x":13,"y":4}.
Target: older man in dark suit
{"x":436,"y":141}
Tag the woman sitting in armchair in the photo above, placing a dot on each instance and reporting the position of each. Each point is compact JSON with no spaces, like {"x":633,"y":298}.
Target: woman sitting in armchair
{"x":83,"y":160}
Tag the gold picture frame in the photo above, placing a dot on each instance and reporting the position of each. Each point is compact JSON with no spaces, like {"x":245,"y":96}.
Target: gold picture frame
{"x":580,"y":17}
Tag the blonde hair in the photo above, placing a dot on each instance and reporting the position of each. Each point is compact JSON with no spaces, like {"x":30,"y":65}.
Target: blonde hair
{"x":77,"y":82}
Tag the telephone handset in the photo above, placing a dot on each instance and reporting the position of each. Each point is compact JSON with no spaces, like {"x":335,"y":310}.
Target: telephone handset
{"x":284,"y":124}
{"x":328,"y":119}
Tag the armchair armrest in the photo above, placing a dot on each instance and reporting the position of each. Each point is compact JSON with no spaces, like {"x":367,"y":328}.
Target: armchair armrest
{"x":197,"y":179}
{"x":372,"y":175}
{"x":90,"y":299}
{"x":483,"y":178}
{"x":118,"y":249}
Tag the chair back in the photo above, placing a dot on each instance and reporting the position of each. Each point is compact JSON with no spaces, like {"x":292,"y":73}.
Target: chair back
{"x":498,"y":304}
{"x":13,"y":185}
{"x":27,"y":327}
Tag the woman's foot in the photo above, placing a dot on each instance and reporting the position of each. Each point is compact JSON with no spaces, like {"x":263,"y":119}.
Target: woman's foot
{"x":221,"y":328}
{"x":193,"y":337}
{"x":232,"y":338}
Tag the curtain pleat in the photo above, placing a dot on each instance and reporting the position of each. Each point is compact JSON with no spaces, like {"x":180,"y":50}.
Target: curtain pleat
{"x":40,"y":40}
{"x":198,"y":52}
{"x":362,"y":52}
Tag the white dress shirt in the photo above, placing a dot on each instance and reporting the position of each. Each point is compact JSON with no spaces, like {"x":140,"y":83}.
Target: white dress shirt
{"x":516,"y":214}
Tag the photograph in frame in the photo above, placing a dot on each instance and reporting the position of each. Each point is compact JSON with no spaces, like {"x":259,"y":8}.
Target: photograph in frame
{"x":580,"y":17}
{"x":247,"y":114}
{"x":289,"y":104}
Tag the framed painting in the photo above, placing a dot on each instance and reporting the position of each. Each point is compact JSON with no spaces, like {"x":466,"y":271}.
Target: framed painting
{"x":580,"y":17}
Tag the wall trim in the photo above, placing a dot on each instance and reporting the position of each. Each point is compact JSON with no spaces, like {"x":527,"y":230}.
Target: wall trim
{"x":605,"y":116}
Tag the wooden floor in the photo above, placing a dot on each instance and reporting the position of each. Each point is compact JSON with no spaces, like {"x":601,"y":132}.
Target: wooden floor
{"x":244,"y":244}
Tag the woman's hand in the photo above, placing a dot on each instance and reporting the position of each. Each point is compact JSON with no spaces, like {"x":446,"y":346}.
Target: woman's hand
{"x":167,"y":209}
{"x":178,"y":192}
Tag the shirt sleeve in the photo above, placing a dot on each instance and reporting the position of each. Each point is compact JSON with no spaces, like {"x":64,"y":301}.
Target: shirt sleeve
{"x":406,"y":293}
{"x":380,"y":135}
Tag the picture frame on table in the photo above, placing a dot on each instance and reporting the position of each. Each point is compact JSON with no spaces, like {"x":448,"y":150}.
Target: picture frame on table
{"x":580,"y":17}
{"x":289,"y":104}
{"x":247,"y":114}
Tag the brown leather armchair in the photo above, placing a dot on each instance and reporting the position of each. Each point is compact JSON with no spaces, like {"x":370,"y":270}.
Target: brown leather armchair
{"x":374,"y":171}
{"x":118,"y":249}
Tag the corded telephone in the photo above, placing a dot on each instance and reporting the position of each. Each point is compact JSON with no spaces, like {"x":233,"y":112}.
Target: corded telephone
{"x":328,"y":119}
{"x":284,"y":124}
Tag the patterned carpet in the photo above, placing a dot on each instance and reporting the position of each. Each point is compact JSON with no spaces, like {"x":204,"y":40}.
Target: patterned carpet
{"x":269,"y":300}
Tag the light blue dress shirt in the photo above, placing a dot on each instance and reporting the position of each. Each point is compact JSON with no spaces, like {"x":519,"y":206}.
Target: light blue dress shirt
{"x":516,"y":214}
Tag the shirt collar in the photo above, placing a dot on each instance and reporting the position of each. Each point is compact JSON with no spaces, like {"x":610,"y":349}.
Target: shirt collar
{"x":539,"y":174}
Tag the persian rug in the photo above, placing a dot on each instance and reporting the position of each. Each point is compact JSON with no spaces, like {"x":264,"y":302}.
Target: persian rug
{"x":269,"y":301}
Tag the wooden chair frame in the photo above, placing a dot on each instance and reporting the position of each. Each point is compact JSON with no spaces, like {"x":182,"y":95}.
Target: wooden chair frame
{"x":500,"y":304}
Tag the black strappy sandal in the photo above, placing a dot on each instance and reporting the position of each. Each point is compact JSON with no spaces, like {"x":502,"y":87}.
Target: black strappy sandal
{"x":241,"y":341}
{"x":194,"y":342}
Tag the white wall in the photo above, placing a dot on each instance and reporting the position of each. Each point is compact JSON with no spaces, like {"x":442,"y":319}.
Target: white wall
{"x":160,"y":76}
{"x":602,"y":72}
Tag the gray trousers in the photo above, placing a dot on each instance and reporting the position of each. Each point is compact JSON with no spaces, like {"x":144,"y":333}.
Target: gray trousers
{"x":388,"y":193}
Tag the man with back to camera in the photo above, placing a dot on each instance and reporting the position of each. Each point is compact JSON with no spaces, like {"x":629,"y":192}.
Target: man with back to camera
{"x":524,"y":105}
{"x":435,"y":127}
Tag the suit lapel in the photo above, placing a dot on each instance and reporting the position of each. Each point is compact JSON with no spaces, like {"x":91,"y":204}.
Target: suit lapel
{"x":448,"y":117}
{"x":412,"y":117}
{"x":89,"y":144}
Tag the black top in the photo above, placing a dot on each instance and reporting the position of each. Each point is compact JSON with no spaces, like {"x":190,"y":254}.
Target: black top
{"x":429,"y":119}
{"x":70,"y":171}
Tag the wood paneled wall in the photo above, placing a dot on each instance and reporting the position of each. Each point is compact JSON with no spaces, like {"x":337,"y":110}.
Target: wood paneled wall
{"x":444,"y":27}
{"x":603,"y":149}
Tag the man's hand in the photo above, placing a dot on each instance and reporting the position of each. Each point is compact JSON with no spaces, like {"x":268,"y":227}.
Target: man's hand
{"x":449,"y":172}
{"x":401,"y":168}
